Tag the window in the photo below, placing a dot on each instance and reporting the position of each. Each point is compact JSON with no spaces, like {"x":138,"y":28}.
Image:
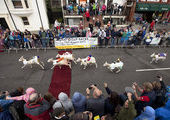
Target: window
{"x":26,"y":3}
{"x":153,"y":0}
{"x":164,"y":0}
{"x":17,"y":3}
{"x":56,"y":3}
{"x":25,"y":20}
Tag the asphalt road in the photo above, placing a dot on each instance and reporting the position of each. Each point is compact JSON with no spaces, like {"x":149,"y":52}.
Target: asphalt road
{"x":12,"y":76}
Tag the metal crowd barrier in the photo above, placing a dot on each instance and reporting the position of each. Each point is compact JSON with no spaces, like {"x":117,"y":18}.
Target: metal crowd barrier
{"x":96,"y":47}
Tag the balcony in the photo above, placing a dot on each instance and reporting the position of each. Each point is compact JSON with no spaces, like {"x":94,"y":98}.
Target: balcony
{"x":21,"y":12}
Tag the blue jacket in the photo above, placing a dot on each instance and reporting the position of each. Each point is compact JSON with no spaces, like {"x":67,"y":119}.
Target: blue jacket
{"x":163,"y":113}
{"x":5,"y":114}
{"x":79,"y":102}
{"x":148,"y":114}
{"x":26,"y":40}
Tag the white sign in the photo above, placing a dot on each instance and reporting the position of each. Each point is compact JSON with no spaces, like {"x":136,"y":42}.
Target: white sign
{"x":77,"y":42}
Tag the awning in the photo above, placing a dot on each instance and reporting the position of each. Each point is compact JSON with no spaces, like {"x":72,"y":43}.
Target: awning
{"x":152,"y":7}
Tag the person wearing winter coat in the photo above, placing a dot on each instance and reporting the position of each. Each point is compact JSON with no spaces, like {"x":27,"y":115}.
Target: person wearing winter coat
{"x":64,"y":102}
{"x":128,"y":111}
{"x":148,"y":114}
{"x":4,"y":109}
{"x":88,"y":33}
{"x":147,"y":97}
{"x":79,"y":102}
{"x":160,"y":90}
{"x":37,"y":108}
{"x":163,"y":113}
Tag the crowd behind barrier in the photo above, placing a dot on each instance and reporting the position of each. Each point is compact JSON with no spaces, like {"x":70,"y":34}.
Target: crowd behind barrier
{"x":94,"y":9}
{"x":110,"y":35}
{"x":152,"y":104}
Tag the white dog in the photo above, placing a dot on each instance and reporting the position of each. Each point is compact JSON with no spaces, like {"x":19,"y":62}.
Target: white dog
{"x":116,"y":66}
{"x":67,"y":56}
{"x":34,"y":60}
{"x":156,"y":57}
{"x":60,"y":62}
{"x":85,"y":62}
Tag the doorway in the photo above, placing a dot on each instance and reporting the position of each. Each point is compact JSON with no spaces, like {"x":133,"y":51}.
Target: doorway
{"x":92,"y":1}
{"x":3,"y":23}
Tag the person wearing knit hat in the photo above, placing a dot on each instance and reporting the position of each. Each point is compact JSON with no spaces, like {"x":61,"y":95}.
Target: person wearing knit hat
{"x":79,"y":102}
{"x":64,"y":102}
{"x":24,"y":97}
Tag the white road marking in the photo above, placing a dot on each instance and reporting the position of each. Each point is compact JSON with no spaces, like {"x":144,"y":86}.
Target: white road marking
{"x":156,"y":69}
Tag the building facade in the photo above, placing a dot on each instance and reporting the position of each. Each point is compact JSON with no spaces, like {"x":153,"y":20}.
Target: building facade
{"x":73,"y":19}
{"x":23,"y":14}
{"x":153,"y":9}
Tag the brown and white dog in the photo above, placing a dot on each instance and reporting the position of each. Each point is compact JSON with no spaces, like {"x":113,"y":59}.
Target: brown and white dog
{"x":34,"y":60}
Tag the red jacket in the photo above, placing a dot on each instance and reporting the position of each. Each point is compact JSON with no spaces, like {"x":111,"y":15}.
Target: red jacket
{"x":87,"y":14}
{"x":152,"y":24}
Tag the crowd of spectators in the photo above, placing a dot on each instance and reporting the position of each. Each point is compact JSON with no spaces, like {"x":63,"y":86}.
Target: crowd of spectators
{"x":152,"y":104}
{"x":94,"y":9}
{"x":109,"y":35}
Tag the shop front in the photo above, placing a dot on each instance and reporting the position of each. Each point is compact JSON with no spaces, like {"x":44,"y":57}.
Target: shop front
{"x":152,"y":11}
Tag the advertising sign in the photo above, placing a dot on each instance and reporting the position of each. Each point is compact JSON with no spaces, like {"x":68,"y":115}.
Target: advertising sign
{"x":79,"y":42}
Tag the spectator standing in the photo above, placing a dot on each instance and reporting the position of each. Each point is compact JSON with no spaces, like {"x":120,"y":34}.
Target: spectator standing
{"x":26,"y":42}
{"x":96,"y":103}
{"x":59,"y":114}
{"x":24,"y":97}
{"x":81,"y":25}
{"x":160,"y":91}
{"x":152,"y":25}
{"x":148,"y":114}
{"x":36,"y":40}
{"x":44,"y":39}
{"x":91,"y":27}
{"x":113,"y":36}
{"x":88,"y":34}
{"x":94,"y":8}
{"x":87,"y":15}
{"x":64,"y":102}
{"x":79,"y":102}
{"x":147,"y":97}
{"x":37,"y":108}
{"x":103,"y":9}
{"x":4,"y":109}
{"x":128,"y":111}
{"x":98,"y":23}
{"x":67,"y":34}
{"x":163,"y":113}
{"x":102,"y":36}
{"x":107,"y":36}
{"x":112,"y":103}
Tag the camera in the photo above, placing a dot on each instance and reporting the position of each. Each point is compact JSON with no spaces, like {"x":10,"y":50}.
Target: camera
{"x":91,"y":85}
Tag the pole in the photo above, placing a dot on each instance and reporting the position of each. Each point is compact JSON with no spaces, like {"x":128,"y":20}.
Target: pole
{"x":10,"y":15}
{"x":62,"y":10}
{"x":39,"y":14}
